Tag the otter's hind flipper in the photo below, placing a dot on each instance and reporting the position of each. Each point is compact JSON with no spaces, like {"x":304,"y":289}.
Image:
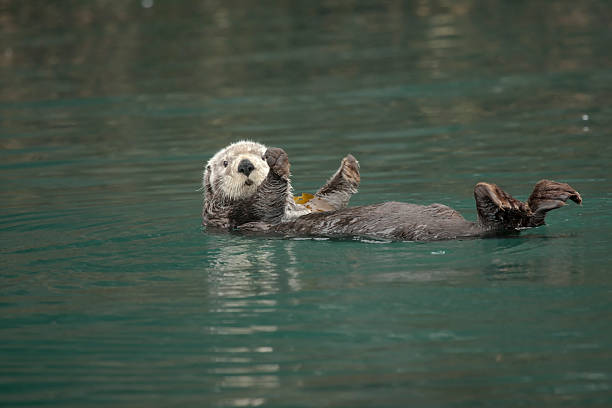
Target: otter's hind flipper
{"x":498,"y":210}
{"x":342,"y":185}
{"x":548,"y":195}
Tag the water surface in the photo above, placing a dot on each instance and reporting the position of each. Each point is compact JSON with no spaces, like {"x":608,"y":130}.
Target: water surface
{"x":112,"y":294}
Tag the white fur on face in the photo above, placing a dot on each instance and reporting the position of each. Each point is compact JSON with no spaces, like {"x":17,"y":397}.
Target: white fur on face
{"x":223,"y":169}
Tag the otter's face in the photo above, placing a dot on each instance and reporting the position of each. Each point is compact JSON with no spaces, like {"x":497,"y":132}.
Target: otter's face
{"x":236,"y":171}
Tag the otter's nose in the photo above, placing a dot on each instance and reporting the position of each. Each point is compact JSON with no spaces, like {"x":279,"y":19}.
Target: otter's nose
{"x":245,"y":167}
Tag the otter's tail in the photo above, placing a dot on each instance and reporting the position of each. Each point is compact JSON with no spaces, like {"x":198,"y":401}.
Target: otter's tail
{"x":498,"y":210}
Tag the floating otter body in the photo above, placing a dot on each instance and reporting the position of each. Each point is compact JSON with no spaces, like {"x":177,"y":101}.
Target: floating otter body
{"x":267,"y":206}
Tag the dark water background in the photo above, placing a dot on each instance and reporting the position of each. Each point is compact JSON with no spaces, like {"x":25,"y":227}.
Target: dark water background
{"x":112,"y":295}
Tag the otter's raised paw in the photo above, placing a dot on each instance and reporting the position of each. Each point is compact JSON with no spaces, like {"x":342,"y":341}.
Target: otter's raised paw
{"x":278,"y":161}
{"x":344,"y":183}
{"x":349,"y":170}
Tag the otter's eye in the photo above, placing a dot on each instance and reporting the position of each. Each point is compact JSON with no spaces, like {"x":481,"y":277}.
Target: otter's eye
{"x":263,"y":158}
{"x":224,"y":163}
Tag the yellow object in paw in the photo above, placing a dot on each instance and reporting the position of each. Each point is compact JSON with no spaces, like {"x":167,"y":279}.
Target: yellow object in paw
{"x":303,"y":199}
{"x":313,"y":203}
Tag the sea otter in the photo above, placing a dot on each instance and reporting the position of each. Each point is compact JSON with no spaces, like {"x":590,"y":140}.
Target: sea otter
{"x":247,"y":182}
{"x":247,"y":187}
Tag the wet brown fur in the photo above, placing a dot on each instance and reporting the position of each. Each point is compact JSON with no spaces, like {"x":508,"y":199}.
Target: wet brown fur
{"x":498,"y":212}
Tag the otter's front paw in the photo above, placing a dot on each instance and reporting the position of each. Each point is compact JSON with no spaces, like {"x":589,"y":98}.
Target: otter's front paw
{"x":349,"y":170}
{"x":278,"y":161}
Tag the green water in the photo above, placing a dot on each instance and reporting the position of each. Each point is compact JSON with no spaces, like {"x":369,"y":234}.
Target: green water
{"x":111,"y":294}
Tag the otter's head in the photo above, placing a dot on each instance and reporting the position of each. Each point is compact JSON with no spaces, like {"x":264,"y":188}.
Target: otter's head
{"x":236,"y":171}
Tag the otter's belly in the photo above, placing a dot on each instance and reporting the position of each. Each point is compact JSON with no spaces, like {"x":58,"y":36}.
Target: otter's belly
{"x":390,"y":220}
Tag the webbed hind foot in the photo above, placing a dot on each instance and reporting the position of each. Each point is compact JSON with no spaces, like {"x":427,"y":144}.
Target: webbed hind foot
{"x":549,"y":195}
{"x":498,"y":210}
